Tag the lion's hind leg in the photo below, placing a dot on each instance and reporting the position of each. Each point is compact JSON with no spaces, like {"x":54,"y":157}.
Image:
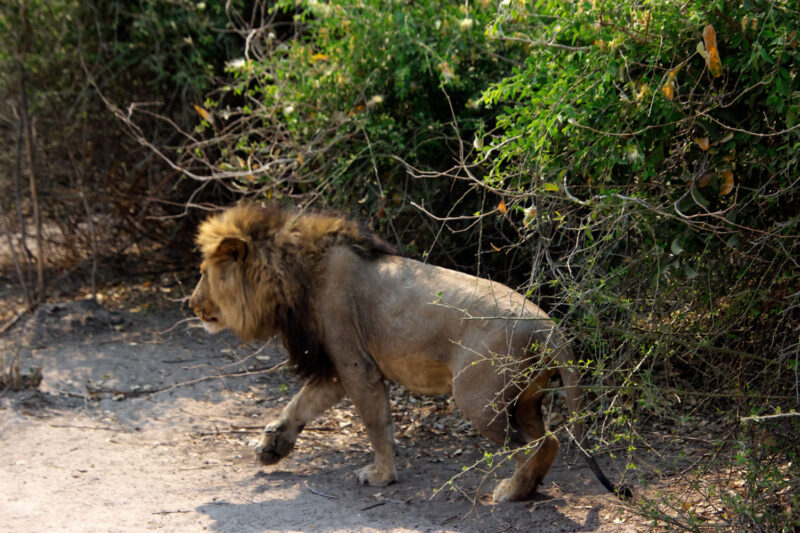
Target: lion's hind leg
{"x":531,"y":469}
{"x":533,"y":463}
{"x":316,"y":396}
{"x":475,"y":391}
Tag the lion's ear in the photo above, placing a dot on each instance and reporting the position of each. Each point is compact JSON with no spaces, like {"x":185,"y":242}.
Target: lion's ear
{"x":231,"y":248}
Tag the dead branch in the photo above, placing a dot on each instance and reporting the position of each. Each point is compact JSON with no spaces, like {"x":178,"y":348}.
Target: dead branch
{"x":761,"y":418}
{"x":318,"y":493}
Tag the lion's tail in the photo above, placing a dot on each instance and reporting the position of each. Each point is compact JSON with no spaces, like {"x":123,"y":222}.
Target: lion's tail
{"x":571,"y":380}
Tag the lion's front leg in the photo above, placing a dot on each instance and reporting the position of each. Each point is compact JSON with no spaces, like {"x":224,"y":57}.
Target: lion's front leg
{"x":372,"y":404}
{"x":366,"y":388}
{"x":376,"y":414}
{"x":276,"y":443}
{"x":316,"y":396}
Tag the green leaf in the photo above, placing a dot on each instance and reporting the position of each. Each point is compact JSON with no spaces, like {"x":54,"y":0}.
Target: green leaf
{"x":765,"y":56}
{"x":699,"y":198}
{"x":676,"y":247}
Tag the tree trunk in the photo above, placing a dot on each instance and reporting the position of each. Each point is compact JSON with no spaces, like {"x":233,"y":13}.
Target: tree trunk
{"x":29,"y":152}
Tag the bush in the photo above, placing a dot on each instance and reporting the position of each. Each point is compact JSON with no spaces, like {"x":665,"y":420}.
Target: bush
{"x":361,"y":90}
{"x":658,"y":143}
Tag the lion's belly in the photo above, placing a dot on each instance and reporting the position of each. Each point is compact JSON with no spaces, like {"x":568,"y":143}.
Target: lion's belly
{"x":418,"y":373}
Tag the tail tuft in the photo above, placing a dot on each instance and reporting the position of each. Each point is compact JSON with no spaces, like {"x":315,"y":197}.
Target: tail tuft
{"x":623,"y":492}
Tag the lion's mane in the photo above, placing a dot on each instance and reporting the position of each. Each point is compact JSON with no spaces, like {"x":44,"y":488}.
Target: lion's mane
{"x":277,"y":281}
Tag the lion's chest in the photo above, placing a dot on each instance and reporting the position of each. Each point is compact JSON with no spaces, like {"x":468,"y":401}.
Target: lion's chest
{"x":418,"y":373}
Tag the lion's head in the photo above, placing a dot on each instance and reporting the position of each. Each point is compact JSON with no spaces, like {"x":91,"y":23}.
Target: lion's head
{"x":222,"y":276}
{"x":226,"y":295}
{"x":259,"y":271}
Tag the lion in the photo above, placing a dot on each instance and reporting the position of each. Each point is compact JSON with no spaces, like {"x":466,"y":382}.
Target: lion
{"x":353,"y":314}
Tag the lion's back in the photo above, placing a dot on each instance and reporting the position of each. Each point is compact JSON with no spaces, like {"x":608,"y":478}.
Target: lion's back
{"x":402,"y":305}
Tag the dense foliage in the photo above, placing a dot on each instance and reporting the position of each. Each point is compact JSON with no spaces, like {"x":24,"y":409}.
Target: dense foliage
{"x":659,"y":142}
{"x":358,"y":92}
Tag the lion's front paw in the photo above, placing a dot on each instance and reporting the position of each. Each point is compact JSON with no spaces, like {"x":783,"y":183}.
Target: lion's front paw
{"x":372,"y":475}
{"x":276,"y":443}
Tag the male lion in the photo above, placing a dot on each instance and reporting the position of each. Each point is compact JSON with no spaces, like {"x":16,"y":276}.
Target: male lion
{"x":352,"y":313}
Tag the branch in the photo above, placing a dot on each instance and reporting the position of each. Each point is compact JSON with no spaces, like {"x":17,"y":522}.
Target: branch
{"x":761,"y":418}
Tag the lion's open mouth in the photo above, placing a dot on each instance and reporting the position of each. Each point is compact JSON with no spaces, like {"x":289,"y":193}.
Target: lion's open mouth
{"x":212,"y":325}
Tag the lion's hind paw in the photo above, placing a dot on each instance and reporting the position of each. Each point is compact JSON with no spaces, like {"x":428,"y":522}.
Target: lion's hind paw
{"x":504,"y":491}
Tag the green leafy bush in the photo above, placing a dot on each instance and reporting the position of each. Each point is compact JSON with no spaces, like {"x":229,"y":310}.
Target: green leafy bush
{"x":659,"y":143}
{"x":359,"y":88}
{"x":676,"y":183}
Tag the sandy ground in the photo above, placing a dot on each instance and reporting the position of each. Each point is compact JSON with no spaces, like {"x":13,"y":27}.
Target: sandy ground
{"x":135,"y":429}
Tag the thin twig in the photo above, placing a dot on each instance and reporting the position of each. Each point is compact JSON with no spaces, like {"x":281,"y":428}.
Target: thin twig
{"x":234,"y":430}
{"x":10,"y":323}
{"x":207,"y":378}
{"x":368,"y":507}
{"x":318,"y":493}
{"x":761,"y":418}
{"x":178,"y":323}
{"x":94,"y":428}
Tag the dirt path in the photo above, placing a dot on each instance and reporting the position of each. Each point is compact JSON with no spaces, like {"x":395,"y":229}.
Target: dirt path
{"x":134,"y":430}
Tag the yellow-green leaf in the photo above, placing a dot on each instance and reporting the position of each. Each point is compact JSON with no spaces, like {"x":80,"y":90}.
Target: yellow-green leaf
{"x":530,"y":215}
{"x":208,"y":117}
{"x":727,"y":182}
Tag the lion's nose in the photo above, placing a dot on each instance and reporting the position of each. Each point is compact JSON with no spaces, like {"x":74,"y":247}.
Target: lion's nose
{"x":193,"y":303}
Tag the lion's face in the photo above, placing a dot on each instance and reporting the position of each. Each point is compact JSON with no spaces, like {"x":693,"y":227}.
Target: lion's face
{"x":204,"y":306}
{"x":216,"y":299}
{"x":226,"y":297}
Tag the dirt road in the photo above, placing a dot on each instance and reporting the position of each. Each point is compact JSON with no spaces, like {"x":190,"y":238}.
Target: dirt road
{"x":136,"y":429}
